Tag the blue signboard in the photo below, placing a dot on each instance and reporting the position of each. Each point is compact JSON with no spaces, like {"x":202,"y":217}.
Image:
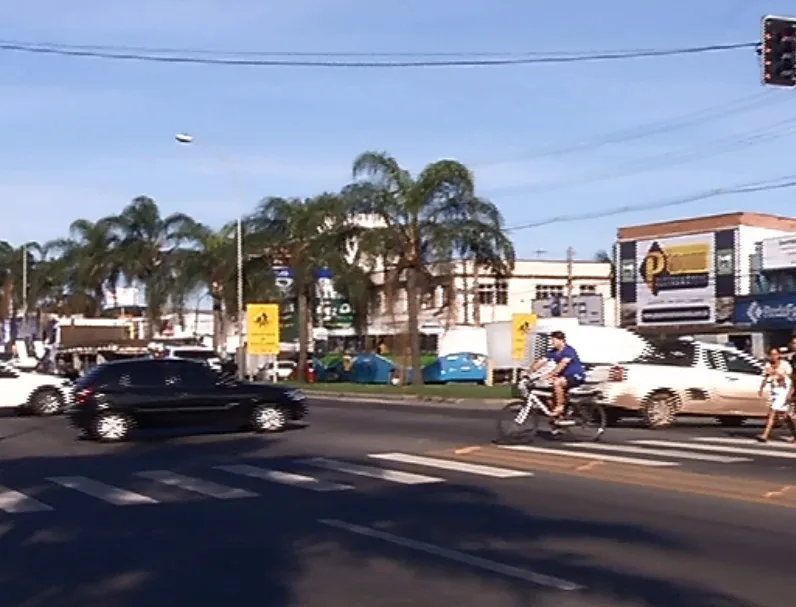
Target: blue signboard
{"x":771,"y":311}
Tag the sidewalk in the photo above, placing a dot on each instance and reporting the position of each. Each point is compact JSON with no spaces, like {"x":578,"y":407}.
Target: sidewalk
{"x":441,"y":402}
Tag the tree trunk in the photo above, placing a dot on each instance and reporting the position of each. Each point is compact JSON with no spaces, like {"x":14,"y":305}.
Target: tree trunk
{"x":219,"y":324}
{"x":303,"y":333}
{"x":476,"y":297}
{"x":465,"y":295}
{"x":413,"y":312}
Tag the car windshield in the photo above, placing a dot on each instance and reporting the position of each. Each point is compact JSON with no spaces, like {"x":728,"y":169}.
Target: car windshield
{"x":669,"y":353}
{"x":89,"y":377}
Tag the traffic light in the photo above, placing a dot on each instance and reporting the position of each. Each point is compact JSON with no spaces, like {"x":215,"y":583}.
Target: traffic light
{"x":779,"y":51}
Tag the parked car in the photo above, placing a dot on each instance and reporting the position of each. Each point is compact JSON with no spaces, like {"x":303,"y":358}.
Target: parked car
{"x":685,"y":377}
{"x":32,"y":393}
{"x":114,"y":398}
{"x":284,"y":368}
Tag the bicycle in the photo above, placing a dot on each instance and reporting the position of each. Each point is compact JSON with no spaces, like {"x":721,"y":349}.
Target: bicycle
{"x":522,"y":419}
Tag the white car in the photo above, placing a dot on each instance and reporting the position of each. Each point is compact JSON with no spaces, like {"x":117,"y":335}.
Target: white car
{"x":33,"y":393}
{"x":284,"y":368}
{"x":684,"y":377}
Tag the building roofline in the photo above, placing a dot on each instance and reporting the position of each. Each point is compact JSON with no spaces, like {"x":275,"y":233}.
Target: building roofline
{"x":708,"y":223}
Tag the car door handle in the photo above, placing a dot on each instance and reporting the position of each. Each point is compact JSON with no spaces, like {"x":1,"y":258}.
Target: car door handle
{"x":728,"y":378}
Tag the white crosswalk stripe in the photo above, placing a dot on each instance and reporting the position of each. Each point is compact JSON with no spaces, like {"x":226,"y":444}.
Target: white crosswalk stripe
{"x":444,"y":464}
{"x":718,"y":448}
{"x":600,"y":456}
{"x":675,"y":453}
{"x":284,"y":478}
{"x":196,"y":485}
{"x":393,"y":476}
{"x":15,"y":502}
{"x":750,"y":442}
{"x":106,"y":493}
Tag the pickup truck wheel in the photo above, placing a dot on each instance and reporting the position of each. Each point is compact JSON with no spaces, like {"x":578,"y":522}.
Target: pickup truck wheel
{"x":111,"y":427}
{"x":660,"y":409}
{"x":268,"y":418}
{"x":45,"y":401}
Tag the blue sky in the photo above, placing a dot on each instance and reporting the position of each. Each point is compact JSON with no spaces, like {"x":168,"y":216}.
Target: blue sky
{"x":82,"y":137}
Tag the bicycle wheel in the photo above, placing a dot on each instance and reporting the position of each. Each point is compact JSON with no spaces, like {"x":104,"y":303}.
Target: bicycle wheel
{"x":508,"y":428}
{"x":589,"y":420}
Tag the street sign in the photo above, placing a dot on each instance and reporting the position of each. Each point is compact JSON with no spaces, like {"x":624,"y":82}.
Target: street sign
{"x":520,"y":325}
{"x":262,"y":328}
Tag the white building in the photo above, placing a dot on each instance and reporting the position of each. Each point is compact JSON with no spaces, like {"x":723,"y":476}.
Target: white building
{"x":532,"y":287}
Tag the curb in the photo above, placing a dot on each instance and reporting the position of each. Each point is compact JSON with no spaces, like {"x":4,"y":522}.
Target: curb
{"x":409,"y":399}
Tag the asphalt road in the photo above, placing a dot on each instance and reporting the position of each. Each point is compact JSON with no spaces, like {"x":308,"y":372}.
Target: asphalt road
{"x":381,"y":539}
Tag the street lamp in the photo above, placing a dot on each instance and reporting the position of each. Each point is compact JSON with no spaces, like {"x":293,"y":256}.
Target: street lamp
{"x":186,"y":139}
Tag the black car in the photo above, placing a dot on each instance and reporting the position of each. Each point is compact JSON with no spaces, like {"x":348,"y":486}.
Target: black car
{"x":115,"y":397}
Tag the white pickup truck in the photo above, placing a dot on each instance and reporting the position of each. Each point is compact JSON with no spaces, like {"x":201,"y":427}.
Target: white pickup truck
{"x":684,"y":377}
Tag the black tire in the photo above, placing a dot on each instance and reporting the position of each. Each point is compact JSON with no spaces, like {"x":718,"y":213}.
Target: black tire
{"x":660,"y":409}
{"x":267,"y":417}
{"x":590,"y":421}
{"x":111,"y":427}
{"x":45,"y":401}
{"x":613,"y":417}
{"x":731,"y":421}
{"x":509,"y":430}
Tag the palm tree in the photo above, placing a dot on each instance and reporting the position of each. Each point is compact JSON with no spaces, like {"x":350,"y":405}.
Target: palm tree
{"x":210,"y":263}
{"x":425,"y":219}
{"x":603,"y":256}
{"x":90,"y":259}
{"x":300,"y":234}
{"x":147,"y":245}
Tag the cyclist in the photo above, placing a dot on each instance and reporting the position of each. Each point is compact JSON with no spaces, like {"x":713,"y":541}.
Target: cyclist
{"x":567,"y":373}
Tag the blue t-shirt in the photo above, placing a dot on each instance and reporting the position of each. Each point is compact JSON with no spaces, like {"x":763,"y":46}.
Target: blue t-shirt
{"x":574,"y":368}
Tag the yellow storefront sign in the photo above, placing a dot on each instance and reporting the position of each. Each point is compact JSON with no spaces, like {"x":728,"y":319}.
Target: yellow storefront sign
{"x":262,"y":323}
{"x":520,"y":325}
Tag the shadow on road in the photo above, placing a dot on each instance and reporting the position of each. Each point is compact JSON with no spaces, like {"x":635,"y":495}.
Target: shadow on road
{"x":272,"y":551}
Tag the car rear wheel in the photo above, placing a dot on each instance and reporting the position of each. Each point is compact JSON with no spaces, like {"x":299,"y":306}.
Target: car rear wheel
{"x":111,"y":427}
{"x":45,"y":401}
{"x":268,"y":418}
{"x":660,"y":409}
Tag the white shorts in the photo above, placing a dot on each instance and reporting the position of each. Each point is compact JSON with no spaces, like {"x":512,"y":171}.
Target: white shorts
{"x":779,"y":400}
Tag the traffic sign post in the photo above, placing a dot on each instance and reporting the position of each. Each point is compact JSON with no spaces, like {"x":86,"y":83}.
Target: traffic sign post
{"x":262,"y":323}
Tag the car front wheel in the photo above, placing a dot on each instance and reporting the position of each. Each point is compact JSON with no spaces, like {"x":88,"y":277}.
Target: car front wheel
{"x":45,"y":401}
{"x":268,"y":418}
{"x":111,"y":427}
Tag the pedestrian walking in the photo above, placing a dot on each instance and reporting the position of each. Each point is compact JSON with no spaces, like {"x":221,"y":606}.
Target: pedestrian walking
{"x":778,"y":378}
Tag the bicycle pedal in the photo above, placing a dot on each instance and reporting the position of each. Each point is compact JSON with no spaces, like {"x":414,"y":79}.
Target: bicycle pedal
{"x":565,"y":423}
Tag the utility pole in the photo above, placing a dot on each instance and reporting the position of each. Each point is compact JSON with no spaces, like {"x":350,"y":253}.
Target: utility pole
{"x":570,"y":303}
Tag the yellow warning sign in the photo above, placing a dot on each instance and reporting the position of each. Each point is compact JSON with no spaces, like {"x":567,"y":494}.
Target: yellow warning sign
{"x":520,"y":325}
{"x":262,"y":328}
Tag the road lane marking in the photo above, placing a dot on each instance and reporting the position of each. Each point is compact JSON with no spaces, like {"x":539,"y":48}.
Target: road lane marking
{"x":637,"y":461}
{"x":106,"y":493}
{"x":444,"y":464}
{"x":717,"y":448}
{"x":393,"y":476}
{"x":705,"y":457}
{"x":15,"y":502}
{"x":284,"y":478}
{"x":196,"y":485}
{"x":749,"y":442}
{"x":463,"y":558}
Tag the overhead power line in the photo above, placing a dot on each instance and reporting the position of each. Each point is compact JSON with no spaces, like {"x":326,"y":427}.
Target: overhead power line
{"x":237,"y":59}
{"x":700,"y":116}
{"x":747,"y":188}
